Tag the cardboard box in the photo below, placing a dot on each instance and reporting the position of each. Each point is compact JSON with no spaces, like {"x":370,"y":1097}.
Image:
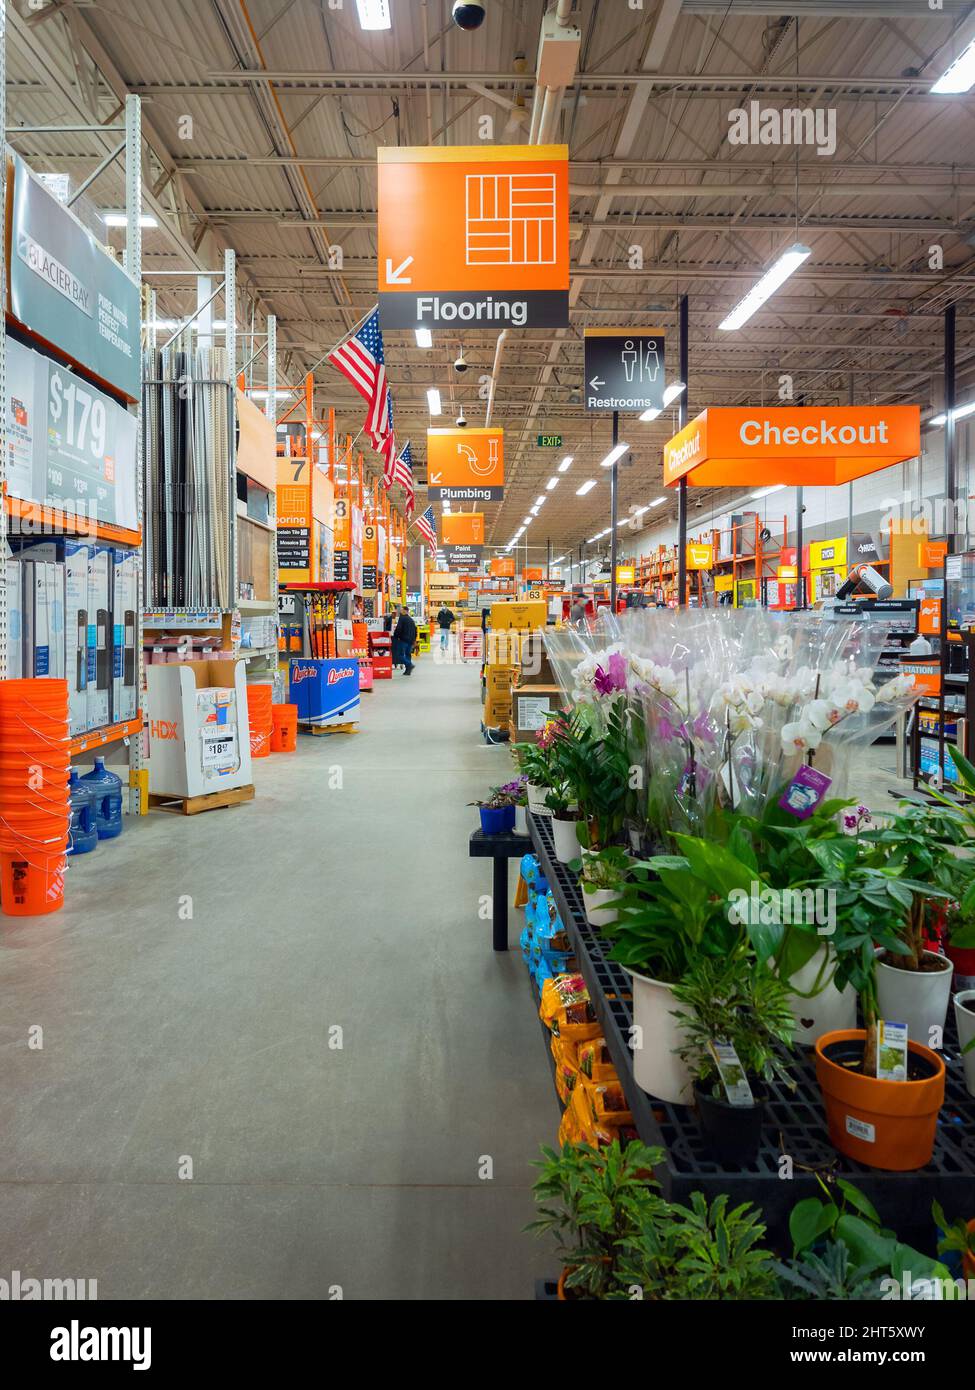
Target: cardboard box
{"x":499,"y":678}
{"x":525,"y":617}
{"x":199,"y":736}
{"x":15,"y":620}
{"x":99,"y":636}
{"x":503,"y":648}
{"x":73,"y":558}
{"x":125,"y":666}
{"x":497,"y":709}
{"x":532,"y":708}
{"x":535,"y":667}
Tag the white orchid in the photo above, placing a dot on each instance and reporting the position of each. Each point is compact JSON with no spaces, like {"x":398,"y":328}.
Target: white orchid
{"x":822,"y":714}
{"x":800,"y":737}
{"x":894,"y":689}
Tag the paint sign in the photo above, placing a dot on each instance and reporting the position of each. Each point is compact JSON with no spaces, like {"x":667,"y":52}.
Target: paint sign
{"x":474,"y":236}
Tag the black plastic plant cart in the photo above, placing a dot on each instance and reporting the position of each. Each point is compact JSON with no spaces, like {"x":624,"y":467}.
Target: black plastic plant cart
{"x":796,"y":1129}
{"x":505,"y":845}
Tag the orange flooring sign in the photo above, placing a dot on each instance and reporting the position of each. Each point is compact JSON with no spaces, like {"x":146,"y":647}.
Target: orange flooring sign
{"x":798,"y":446}
{"x":474,"y":236}
{"x":465,"y":465}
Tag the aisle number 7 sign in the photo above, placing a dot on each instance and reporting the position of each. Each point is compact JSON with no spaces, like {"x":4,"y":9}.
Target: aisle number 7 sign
{"x":465,"y":465}
{"x":474,"y":236}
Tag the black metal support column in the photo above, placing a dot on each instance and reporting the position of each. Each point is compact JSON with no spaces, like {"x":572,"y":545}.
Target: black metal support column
{"x":800,"y":572}
{"x":682,"y":418}
{"x":548,"y":559}
{"x":951,"y":480}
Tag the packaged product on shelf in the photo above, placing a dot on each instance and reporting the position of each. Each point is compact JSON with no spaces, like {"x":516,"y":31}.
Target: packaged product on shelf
{"x":42,"y":598}
{"x":125,"y":600}
{"x":15,"y":620}
{"x":69,"y":615}
{"x":597,"y":1125}
{"x":100,"y":568}
{"x":567,"y":1010}
{"x":595,"y":1063}
{"x":564,"y":1055}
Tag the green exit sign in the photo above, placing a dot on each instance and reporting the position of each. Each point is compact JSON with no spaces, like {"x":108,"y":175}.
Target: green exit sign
{"x":550,"y":441}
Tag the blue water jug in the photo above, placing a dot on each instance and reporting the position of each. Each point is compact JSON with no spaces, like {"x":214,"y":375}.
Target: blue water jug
{"x":83,"y":835}
{"x":105,"y":790}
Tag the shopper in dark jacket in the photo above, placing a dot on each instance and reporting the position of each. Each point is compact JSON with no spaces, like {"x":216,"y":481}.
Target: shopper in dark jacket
{"x":404,"y":640}
{"x":445,"y":621}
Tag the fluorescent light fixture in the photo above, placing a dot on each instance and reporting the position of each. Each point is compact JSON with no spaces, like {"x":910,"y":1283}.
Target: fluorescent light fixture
{"x":566,"y":464}
{"x":776,"y":275}
{"x":433,"y":401}
{"x":119,"y":219}
{"x":672,"y":392}
{"x":373,"y":14}
{"x":960,"y":76}
{"x":613,"y":455}
{"x":527,"y":522}
{"x":586,"y":487}
{"x":424,"y":338}
{"x":534,"y":511}
{"x":278,"y":395}
{"x":552,"y":484}
{"x":639,"y":511}
{"x":960,"y":412}
{"x":766,"y":492}
{"x":657,"y":501}
{"x":540,"y":499}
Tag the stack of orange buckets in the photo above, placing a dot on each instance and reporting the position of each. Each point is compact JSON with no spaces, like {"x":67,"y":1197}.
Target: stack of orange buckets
{"x":260,"y":704}
{"x":35,"y":812}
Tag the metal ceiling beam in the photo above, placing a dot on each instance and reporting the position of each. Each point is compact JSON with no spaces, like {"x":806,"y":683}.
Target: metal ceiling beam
{"x":695,"y":274}
{"x":689,"y":82}
{"x":732,"y":165}
{"x":840,"y":9}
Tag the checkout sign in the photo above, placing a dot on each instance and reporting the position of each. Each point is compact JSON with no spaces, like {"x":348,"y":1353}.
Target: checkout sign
{"x":795,"y":446}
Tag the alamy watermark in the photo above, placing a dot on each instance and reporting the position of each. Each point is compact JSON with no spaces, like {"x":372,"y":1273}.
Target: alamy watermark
{"x":763,"y":906}
{"x":756,"y":124}
{"x":23,"y":1288}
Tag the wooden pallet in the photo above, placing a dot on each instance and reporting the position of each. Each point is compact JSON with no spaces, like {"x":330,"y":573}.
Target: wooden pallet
{"x":193,"y":805}
{"x":320,"y":730}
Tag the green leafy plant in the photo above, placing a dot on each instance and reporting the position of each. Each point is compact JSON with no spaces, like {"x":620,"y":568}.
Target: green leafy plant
{"x":956,"y":1237}
{"x":533,"y":762}
{"x":702,"y":1251}
{"x":912,"y":848}
{"x":845,"y":1216}
{"x":593,"y":1201}
{"x":603,"y":870}
{"x":498,"y":799}
{"x":831,"y":1274}
{"x":737,"y":1001}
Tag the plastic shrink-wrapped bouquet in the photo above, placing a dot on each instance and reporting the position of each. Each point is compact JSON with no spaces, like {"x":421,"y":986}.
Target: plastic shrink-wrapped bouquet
{"x":730,"y":708}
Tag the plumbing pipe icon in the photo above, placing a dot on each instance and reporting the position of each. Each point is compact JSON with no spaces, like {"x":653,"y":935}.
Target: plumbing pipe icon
{"x":481,"y":468}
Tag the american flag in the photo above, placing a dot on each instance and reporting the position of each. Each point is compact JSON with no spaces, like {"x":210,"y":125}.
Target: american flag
{"x":400,"y":470}
{"x":361,"y":360}
{"x":426,"y":526}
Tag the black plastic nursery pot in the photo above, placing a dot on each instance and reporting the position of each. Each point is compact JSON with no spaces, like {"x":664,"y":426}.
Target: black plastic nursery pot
{"x":733,"y":1133}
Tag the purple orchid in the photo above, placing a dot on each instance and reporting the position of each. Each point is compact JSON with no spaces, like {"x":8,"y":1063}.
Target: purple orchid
{"x":613,"y":678}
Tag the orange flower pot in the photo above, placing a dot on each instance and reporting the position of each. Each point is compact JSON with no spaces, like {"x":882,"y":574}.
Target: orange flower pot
{"x":884,"y":1124}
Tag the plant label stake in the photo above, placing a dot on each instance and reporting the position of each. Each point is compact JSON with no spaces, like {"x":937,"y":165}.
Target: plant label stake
{"x":891,"y":1051}
{"x":732,"y":1073}
{"x":805,"y":792}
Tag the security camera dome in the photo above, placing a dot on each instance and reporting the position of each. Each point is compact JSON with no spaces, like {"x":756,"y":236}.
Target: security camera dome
{"x":467,"y":14}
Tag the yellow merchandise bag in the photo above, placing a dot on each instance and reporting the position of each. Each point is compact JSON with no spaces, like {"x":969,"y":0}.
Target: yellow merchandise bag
{"x":566,"y":1009}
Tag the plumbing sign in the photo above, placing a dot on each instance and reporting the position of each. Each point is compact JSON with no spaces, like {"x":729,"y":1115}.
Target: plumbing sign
{"x":625,"y":369}
{"x":465,"y":465}
{"x":474,"y":236}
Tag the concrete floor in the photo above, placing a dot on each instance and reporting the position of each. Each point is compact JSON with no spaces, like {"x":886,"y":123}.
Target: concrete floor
{"x":313,"y":1167}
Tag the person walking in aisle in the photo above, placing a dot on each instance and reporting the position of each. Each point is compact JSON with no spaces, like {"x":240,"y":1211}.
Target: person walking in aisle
{"x":404,"y":639}
{"x":445,"y":620}
{"x":577,"y":612}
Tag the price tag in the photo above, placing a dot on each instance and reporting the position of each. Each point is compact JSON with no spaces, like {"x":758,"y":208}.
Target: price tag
{"x":732,"y":1073}
{"x":219,"y":753}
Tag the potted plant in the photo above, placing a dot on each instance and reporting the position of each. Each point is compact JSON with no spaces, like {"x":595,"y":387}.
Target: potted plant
{"x":957,"y":1237}
{"x":592,"y":1200}
{"x":567,"y":758}
{"x":668,"y":917}
{"x":534,"y":765}
{"x":517,"y":793}
{"x":914,"y":980}
{"x":965,"y":1023}
{"x":497,"y":812}
{"x":700,"y":1252}
{"x":602,"y":874}
{"x":738,"y":1019}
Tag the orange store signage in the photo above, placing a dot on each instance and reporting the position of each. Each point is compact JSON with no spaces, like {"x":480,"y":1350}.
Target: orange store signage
{"x":474,"y":235}
{"x":465,"y":465}
{"x":699,"y":556}
{"x":931,"y":554}
{"x":462,"y":528}
{"x":741,"y":447}
{"x":503,"y":568}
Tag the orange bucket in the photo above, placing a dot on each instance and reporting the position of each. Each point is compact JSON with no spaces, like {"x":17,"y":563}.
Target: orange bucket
{"x":884,"y":1124}
{"x":32,"y":883}
{"x":284,"y":735}
{"x":259,"y":707}
{"x":44,"y":692}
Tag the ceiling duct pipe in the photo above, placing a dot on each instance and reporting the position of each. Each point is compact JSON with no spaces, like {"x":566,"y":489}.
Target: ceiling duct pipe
{"x":498,"y":353}
{"x":558,"y":57}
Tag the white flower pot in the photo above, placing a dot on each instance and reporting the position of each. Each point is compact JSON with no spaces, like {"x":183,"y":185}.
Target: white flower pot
{"x":828,"y":1011}
{"x":521,"y":820}
{"x":656,"y":1066}
{"x":965,"y":1021}
{"x":536,"y":799}
{"x":567,"y":845}
{"x":597,"y":914}
{"x":918,"y":998}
